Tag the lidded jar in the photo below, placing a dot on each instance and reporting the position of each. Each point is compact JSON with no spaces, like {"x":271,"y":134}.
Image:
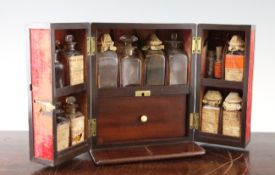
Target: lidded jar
{"x":131,"y":63}
{"x":154,"y":61}
{"x":107,"y":61}
{"x":178,"y":62}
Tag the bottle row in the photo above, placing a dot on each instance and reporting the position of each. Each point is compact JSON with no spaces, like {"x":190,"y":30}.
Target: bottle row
{"x":70,"y":124}
{"x":128,"y":67}
{"x":230,"y":112}
{"x":226,"y":62}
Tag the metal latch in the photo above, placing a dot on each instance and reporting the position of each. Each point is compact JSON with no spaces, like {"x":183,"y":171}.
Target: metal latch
{"x":91,"y":45}
{"x":196,"y":45}
{"x":92,"y":127}
{"x":194,"y":120}
{"x":146,"y":93}
{"x":45,"y":106}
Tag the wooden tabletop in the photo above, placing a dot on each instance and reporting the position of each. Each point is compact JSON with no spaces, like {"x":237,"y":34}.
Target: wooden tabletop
{"x":258,"y":158}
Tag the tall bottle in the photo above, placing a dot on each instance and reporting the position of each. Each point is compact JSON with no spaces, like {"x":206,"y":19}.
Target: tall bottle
{"x":154,"y":61}
{"x":218,"y":63}
{"x":210,"y":63}
{"x":130,"y":63}
{"x":75,"y":63}
{"x":107,"y":63}
{"x":59,"y":67}
{"x":178,"y":62}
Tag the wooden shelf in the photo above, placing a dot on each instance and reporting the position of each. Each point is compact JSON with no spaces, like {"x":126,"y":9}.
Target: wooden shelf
{"x":68,"y":90}
{"x":155,"y":90}
{"x":221,"y":83}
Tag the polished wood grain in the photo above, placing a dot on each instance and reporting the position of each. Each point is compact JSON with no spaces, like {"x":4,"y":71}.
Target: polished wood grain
{"x":258,"y":159}
{"x":166,"y":118}
{"x":146,"y":153}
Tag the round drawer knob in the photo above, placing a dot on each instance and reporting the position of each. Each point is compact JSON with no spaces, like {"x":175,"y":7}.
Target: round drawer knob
{"x":143,"y":118}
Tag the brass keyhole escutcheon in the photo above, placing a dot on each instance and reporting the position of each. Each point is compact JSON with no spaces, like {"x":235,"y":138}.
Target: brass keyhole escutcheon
{"x":143,"y":119}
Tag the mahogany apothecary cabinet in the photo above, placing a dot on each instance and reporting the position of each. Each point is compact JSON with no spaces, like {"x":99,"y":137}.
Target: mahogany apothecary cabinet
{"x":133,"y":123}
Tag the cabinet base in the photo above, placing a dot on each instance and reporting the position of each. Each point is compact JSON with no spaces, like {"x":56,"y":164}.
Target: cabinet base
{"x":145,"y":153}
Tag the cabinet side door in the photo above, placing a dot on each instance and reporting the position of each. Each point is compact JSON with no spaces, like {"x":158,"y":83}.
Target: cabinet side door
{"x":41,"y":114}
{"x":249,"y":86}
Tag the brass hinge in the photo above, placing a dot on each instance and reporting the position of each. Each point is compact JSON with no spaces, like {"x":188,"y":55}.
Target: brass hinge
{"x":91,"y":45}
{"x":196,"y":45}
{"x":92,"y":129}
{"x":194,"y":120}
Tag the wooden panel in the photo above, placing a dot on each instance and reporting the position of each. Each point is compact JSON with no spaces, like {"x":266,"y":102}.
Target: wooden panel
{"x":146,"y":153}
{"x":41,"y":79}
{"x":118,"y":119}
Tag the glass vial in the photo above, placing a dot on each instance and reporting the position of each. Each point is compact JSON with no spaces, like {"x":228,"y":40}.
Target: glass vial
{"x":130,"y":63}
{"x":154,"y":61}
{"x":218,"y":63}
{"x":210,"y":64}
{"x":75,"y":63}
{"x":178,"y":62}
{"x":59,"y":67}
{"x":107,"y":63}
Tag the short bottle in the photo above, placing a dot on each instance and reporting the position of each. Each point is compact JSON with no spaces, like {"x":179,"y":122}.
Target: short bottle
{"x":130,"y":63}
{"x":77,"y":120}
{"x":178,"y":62}
{"x":107,"y":63}
{"x":75,"y":62}
{"x":154,"y":61}
{"x":59,"y":67}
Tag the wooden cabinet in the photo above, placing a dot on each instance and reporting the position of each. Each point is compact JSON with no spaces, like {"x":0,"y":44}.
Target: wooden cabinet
{"x":135,"y":123}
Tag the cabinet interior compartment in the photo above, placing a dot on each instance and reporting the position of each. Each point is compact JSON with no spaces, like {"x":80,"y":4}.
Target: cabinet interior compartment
{"x":184,"y":35}
{"x":81,"y":101}
{"x":213,"y":38}
{"x":80,"y":37}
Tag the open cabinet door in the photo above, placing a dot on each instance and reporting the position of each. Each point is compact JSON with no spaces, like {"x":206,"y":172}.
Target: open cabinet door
{"x":216,"y":124}
{"x":141,"y":122}
{"x":51,"y":141}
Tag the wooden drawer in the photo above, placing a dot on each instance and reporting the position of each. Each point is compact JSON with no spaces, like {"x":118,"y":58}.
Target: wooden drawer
{"x":119,"y":119}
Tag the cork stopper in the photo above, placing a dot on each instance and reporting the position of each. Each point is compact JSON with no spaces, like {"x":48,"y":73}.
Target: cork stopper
{"x":153,"y":43}
{"x":128,"y":40}
{"x":106,"y":43}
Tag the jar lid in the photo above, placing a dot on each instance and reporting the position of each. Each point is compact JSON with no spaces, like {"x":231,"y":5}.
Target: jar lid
{"x":212,"y":98}
{"x":233,"y":97}
{"x":153,"y":43}
{"x":106,"y":43}
{"x":236,"y":44}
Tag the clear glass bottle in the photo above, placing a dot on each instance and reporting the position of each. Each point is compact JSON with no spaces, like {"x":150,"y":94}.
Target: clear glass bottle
{"x":75,"y":62}
{"x":130,"y":63}
{"x":154,"y":61}
{"x":59,"y":67}
{"x":107,"y":63}
{"x":178,"y":62}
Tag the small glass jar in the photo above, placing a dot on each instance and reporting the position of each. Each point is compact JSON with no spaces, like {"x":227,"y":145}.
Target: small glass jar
{"x":107,"y":63}
{"x":130,"y":63}
{"x":154,"y":62}
{"x":75,"y":62}
{"x":178,"y":62}
{"x":59,"y":67}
